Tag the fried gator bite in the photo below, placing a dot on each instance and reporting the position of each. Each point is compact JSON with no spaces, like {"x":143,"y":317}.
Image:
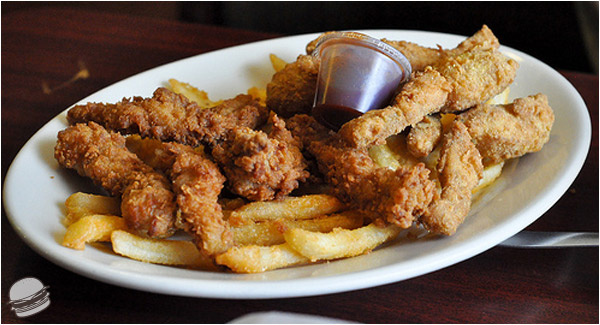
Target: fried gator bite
{"x":168,"y":116}
{"x":397,"y":197}
{"x":262,"y":165}
{"x":147,"y":202}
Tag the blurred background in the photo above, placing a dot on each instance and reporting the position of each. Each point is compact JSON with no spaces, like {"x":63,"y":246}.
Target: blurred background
{"x":562,"y":34}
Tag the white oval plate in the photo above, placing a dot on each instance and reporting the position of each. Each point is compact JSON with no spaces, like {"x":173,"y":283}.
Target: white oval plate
{"x":36,"y":187}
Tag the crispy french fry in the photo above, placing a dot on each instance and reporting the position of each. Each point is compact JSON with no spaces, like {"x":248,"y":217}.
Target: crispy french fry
{"x":277,"y":63}
{"x":82,"y":204}
{"x":302,"y":207}
{"x":159,"y":251}
{"x":490,"y":174}
{"x":255,"y":259}
{"x":271,"y":232}
{"x":258,"y":93}
{"x":92,"y":228}
{"x":393,"y":153}
{"x":339,"y":243}
{"x":192,"y":93}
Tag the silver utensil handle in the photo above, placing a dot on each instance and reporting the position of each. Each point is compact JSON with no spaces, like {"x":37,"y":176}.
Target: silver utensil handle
{"x":543,"y":239}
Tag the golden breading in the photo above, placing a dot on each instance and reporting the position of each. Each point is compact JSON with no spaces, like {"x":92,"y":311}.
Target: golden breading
{"x":147,"y":204}
{"x":501,"y":132}
{"x":168,"y":116}
{"x":424,"y":136}
{"x":261,"y":166}
{"x":292,"y":90}
{"x":459,"y":170}
{"x":198,"y":182}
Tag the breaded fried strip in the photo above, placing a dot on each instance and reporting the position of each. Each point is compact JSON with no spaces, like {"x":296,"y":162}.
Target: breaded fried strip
{"x":147,"y":204}
{"x":168,"y":116}
{"x":501,"y":132}
{"x":262,"y":166}
{"x":198,"y":182}
{"x":424,"y":136}
{"x":292,"y":90}
{"x":459,"y":170}
{"x":395,"y":196}
{"x":457,"y":83}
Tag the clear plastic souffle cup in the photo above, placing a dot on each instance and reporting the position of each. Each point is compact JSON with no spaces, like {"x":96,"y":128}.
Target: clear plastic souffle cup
{"x":358,"y":73}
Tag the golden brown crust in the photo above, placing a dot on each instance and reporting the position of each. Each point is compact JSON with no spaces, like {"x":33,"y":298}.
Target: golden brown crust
{"x":501,"y":132}
{"x":292,"y":90}
{"x":459,"y":170}
{"x":148,"y":205}
{"x":198,"y":182}
{"x":261,"y":166}
{"x":424,"y":136}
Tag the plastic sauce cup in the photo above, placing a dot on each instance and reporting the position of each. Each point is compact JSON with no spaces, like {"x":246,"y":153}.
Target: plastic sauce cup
{"x":358,"y":73}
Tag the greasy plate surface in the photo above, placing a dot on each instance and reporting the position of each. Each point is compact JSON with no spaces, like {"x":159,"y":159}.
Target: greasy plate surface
{"x":35,"y":186}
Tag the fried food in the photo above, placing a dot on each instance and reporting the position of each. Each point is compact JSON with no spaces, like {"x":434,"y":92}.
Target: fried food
{"x":198,"y":182}
{"x":457,"y":83}
{"x":421,"y":57}
{"x":292,"y":89}
{"x":459,"y":170}
{"x":397,"y":196}
{"x":168,"y":116}
{"x":502,"y":132}
{"x":261,"y":165}
{"x":424,"y":136}
{"x":147,"y":202}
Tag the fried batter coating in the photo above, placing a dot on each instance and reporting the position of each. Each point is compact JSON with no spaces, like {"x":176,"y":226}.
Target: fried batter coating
{"x":424,"y":94}
{"x":424,"y":136}
{"x":457,"y":83}
{"x":147,"y":203}
{"x":459,"y":170}
{"x":198,"y":182}
{"x":394,"y":196}
{"x":475,"y":77}
{"x":259,"y":165}
{"x":292,"y":90}
{"x":168,"y":116}
{"x":501,"y":132}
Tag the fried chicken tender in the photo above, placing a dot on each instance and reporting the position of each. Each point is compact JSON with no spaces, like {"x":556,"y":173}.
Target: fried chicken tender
{"x":501,"y":132}
{"x":397,"y":197}
{"x":456,"y":84}
{"x":147,"y":202}
{"x":424,"y":136}
{"x":168,"y":116}
{"x":198,"y":182}
{"x":292,"y":90}
{"x":262,"y":165}
{"x":421,"y":57}
{"x":459,"y":170}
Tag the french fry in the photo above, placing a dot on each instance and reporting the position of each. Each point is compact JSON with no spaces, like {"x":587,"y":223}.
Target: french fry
{"x":271,"y":232}
{"x":82,"y":204}
{"x":259,"y":94}
{"x":302,"y":207}
{"x":490,"y":174}
{"x":92,"y":228}
{"x":339,"y":243}
{"x":277,"y":63}
{"x":256,"y":259}
{"x":192,"y":93}
{"x":159,"y":251}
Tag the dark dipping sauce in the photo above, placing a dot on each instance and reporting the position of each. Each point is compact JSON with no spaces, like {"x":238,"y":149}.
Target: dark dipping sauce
{"x":334,"y":116}
{"x":355,"y":76}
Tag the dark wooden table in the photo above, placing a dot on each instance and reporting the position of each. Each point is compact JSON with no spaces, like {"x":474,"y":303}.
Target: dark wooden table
{"x":43,"y":49}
